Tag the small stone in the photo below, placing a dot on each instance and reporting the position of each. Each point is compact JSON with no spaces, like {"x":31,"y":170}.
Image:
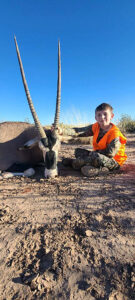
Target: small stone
{"x":21,"y":178}
{"x":117,"y":296}
{"x":49,"y":276}
{"x":39,"y":287}
{"x":89,"y":233}
{"x":33,"y":285}
{"x":41,"y":180}
{"x":72,"y":252}
{"x":47,"y":250}
{"x":99,"y":218}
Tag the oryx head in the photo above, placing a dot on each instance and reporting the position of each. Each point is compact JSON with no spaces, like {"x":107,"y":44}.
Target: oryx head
{"x":49,"y":142}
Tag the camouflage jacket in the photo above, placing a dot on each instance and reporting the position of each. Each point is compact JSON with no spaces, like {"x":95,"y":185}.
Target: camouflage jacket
{"x":111,"y":149}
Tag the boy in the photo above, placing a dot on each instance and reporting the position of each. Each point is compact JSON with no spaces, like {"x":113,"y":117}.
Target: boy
{"x":108,"y":145}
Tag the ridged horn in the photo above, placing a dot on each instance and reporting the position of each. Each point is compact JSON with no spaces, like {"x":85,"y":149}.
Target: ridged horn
{"x":35,"y":117}
{"x":58,"y":100}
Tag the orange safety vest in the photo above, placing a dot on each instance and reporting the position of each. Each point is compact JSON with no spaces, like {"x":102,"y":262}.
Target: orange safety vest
{"x":109,"y":136}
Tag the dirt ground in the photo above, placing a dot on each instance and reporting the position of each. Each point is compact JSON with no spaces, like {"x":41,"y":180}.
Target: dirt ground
{"x":71,"y":237}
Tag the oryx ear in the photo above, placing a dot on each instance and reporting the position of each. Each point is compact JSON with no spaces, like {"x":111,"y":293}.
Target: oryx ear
{"x":35,"y":117}
{"x":58,"y":100}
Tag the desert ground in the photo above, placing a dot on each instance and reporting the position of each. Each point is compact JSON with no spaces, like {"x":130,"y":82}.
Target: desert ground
{"x":71,"y":237}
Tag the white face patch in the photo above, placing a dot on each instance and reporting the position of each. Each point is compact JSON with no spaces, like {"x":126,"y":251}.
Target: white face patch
{"x":41,"y":146}
{"x":43,"y":149}
{"x":56,"y":147}
{"x":51,"y":173}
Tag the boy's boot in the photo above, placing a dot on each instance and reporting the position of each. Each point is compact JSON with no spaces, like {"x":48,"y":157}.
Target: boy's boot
{"x":78,"y":163}
{"x":75,"y":163}
{"x":90,"y":171}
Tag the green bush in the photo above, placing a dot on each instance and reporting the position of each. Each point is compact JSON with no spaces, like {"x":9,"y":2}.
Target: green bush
{"x":127,"y":124}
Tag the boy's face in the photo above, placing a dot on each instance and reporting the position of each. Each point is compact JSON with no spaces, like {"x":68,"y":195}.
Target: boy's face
{"x":104,"y":117}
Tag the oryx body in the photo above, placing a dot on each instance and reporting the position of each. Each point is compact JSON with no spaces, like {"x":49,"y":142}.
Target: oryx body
{"x":20,"y":145}
{"x":23,"y":143}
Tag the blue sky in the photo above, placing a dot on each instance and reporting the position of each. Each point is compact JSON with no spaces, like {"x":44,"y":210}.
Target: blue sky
{"x":97,"y":54}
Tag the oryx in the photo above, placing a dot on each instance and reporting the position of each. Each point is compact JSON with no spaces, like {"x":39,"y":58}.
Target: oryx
{"x":32,"y":145}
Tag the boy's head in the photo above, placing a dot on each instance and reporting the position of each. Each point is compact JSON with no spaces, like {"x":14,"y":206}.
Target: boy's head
{"x":104,"y":115}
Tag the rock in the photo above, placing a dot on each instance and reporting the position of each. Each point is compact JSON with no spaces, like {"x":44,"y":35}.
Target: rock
{"x":117,"y":296}
{"x":89,"y":233}
{"x":99,"y":218}
{"x":41,"y":180}
{"x":49,"y":276}
{"x":47,"y":250}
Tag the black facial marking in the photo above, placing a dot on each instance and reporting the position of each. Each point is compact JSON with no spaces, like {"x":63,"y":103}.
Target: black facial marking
{"x":50,"y":160}
{"x":45,"y":141}
{"x":50,"y":140}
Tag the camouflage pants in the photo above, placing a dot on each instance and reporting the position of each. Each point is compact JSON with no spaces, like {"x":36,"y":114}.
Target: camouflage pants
{"x":96,"y":159}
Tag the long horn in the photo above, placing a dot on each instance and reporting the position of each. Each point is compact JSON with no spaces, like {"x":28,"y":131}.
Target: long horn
{"x":58,"y":100}
{"x":35,"y":117}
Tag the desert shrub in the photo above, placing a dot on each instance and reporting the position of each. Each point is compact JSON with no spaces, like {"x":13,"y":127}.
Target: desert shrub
{"x":27,"y":120}
{"x":126,"y":124}
{"x":68,"y":129}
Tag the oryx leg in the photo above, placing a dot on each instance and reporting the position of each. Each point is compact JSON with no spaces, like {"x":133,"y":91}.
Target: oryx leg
{"x":27,"y":173}
{"x":18,"y":170}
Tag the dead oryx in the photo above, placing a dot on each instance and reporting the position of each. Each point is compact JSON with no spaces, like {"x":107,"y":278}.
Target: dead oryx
{"x":32,"y":145}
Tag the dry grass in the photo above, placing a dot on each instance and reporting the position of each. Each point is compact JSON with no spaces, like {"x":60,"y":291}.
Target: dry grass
{"x":126,"y":124}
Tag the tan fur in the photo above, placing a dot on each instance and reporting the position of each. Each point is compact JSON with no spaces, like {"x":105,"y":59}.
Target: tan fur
{"x":12,"y":136}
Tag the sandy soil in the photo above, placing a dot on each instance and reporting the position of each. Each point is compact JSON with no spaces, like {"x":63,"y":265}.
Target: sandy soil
{"x":71,"y":237}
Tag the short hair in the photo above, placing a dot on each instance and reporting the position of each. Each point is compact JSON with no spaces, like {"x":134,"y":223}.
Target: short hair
{"x":103,"y":106}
